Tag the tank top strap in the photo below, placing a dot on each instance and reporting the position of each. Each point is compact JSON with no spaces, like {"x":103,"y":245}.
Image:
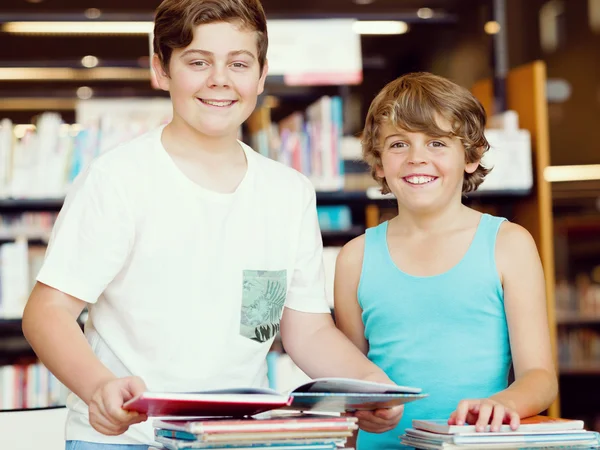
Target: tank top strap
{"x":375,"y":256}
{"x":482,"y":251}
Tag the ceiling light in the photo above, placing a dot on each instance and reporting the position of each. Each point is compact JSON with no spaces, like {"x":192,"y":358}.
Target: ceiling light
{"x":89,"y":61}
{"x":92,"y":13}
{"x":492,"y":27}
{"x":363,"y":2}
{"x":572,"y":173}
{"x":425,"y":13}
{"x":85,"y":92}
{"x":380,"y":27}
{"x":77,"y":27}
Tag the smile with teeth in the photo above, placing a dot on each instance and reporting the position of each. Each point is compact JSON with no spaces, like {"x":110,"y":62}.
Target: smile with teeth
{"x":419,"y":179}
{"x":219,"y":103}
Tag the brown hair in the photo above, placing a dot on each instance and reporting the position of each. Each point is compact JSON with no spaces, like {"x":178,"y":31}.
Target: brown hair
{"x":175,"y":20}
{"x":412,"y":103}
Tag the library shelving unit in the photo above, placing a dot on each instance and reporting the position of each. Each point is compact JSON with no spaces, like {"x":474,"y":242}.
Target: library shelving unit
{"x":576,"y":209}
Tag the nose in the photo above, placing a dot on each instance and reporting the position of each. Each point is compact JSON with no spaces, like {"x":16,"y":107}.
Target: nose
{"x":417,"y":155}
{"x":219,"y":76}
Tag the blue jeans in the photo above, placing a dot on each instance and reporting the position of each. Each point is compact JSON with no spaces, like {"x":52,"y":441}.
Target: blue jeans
{"x":81,"y":445}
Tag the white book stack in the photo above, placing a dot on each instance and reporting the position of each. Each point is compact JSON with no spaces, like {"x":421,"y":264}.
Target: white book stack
{"x":14,"y":278}
{"x":534,"y":432}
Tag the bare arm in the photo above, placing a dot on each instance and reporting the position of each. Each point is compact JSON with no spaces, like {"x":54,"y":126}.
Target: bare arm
{"x":321,"y":350}
{"x":535,"y":386}
{"x":50,"y":326}
{"x":348,"y":314}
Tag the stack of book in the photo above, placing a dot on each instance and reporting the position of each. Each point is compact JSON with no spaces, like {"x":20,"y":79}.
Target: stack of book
{"x":534,"y":432}
{"x":306,"y":418}
{"x":299,"y":432}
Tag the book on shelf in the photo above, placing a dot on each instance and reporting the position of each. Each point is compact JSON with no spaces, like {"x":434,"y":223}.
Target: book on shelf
{"x":325,"y":395}
{"x":534,"y":432}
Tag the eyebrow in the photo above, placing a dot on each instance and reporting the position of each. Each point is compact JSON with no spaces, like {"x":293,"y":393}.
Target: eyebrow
{"x":395,"y":135}
{"x":193,"y":51}
{"x":404,"y":136}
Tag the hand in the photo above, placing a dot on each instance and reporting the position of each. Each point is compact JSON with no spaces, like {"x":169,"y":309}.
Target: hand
{"x":380,"y":420}
{"x":107,"y":415}
{"x":482,"y":412}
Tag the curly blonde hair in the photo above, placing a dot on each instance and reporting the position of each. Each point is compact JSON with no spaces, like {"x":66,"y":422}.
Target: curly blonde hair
{"x":412,"y":103}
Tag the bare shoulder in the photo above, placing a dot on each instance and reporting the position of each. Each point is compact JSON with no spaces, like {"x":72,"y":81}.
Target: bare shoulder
{"x":514,"y":244}
{"x":512,"y":235}
{"x":350,"y":257}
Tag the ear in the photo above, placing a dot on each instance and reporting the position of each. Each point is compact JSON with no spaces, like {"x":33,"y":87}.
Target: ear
{"x":471,"y":167}
{"x":379,"y":171}
{"x":263,"y":77}
{"x":162,"y":78}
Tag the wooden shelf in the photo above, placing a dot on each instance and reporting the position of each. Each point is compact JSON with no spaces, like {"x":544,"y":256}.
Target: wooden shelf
{"x":343,"y":234}
{"x":22,"y":205}
{"x":589,"y":368}
{"x":10,"y":326}
{"x":577,"y":319}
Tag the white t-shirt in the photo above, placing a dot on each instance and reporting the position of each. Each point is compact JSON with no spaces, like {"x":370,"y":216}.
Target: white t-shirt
{"x":185,"y":286}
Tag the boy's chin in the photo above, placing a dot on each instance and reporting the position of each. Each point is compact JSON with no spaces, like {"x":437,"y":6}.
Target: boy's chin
{"x":215,"y":132}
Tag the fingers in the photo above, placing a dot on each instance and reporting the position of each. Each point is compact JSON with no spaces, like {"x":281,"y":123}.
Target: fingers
{"x":380,"y":420}
{"x":374,"y":426}
{"x":514,"y":419}
{"x":460,"y":418}
{"x":498,"y":415}
{"x":485,"y":413}
{"x":106,"y":411}
{"x":113,"y":399}
{"x":452,"y":418}
{"x":136,"y":386}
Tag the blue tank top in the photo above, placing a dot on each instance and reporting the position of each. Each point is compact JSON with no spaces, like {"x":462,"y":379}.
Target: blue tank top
{"x":446,"y":334}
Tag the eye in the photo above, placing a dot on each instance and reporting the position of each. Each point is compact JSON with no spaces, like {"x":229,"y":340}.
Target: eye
{"x":198,"y":63}
{"x":437,"y":144}
{"x":398,"y":145}
{"x":239,"y":65}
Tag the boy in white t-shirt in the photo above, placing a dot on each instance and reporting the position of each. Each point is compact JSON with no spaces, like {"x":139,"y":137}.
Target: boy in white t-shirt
{"x":190,"y":250}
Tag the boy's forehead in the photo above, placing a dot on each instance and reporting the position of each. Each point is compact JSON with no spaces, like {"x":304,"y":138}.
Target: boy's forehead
{"x":440,"y":124}
{"x":223,"y":38}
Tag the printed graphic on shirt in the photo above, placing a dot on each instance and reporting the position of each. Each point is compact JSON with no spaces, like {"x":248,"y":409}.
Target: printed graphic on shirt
{"x":263,"y":298}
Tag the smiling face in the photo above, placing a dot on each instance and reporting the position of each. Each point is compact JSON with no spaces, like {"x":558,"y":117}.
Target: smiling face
{"x":424,"y":172}
{"x":214,"y":81}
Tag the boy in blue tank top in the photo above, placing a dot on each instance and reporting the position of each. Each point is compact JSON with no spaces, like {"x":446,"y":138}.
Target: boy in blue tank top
{"x":442,"y":296}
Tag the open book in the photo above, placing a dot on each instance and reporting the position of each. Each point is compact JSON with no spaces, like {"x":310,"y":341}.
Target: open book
{"x":324,"y":394}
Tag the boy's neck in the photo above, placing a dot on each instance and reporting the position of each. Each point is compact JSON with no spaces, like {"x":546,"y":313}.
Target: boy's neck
{"x":182,"y":140}
{"x":450,"y":216}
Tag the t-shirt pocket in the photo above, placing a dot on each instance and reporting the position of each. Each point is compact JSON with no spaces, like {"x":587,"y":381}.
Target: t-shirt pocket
{"x":263,"y":298}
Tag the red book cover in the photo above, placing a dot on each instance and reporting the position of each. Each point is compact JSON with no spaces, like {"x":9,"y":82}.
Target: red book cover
{"x":213,"y":405}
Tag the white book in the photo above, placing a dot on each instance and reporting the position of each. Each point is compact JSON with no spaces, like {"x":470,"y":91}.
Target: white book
{"x":535,"y":423}
{"x":14,"y":273}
